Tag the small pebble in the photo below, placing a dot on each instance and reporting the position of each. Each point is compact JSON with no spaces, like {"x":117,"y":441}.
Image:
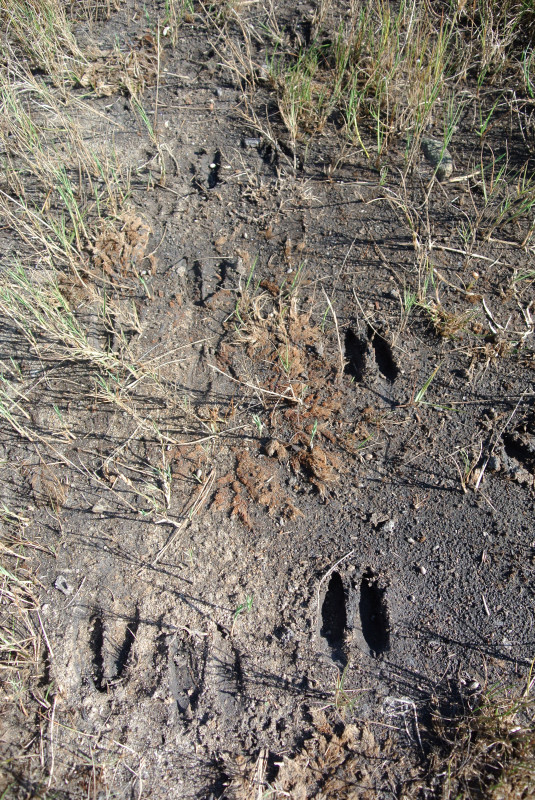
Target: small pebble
{"x":495,"y":464}
{"x":62,"y":586}
{"x":250,"y":142}
{"x":439,"y":158}
{"x":100,"y":507}
{"x":422,"y":570}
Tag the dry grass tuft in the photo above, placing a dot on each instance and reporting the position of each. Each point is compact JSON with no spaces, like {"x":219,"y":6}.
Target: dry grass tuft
{"x":487,"y":752}
{"x":19,"y":638}
{"x":38,"y":32}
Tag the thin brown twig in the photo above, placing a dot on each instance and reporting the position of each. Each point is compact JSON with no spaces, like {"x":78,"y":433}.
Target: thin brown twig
{"x":328,"y":573}
{"x":157,"y":85}
{"x":183,"y":524}
{"x":331,"y":309}
{"x":282,"y":396}
{"x":52,"y":749}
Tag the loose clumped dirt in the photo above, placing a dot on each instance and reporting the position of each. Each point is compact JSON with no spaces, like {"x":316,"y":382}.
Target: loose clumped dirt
{"x":296,"y":528}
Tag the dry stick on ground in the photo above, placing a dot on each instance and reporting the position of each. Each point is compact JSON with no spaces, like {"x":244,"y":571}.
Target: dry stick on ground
{"x":157,"y":83}
{"x":211,"y":436}
{"x":494,"y":326}
{"x":328,"y":573}
{"x":259,"y":777}
{"x":405,"y":705}
{"x":342,"y":362}
{"x":435,"y":246}
{"x":181,"y":526}
{"x":292,"y":398}
{"x":52,"y":748}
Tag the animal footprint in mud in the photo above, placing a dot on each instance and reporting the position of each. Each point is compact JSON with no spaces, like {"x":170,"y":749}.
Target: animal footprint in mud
{"x":374,"y":620}
{"x":356,"y":354}
{"x":383,"y":355}
{"x":369,"y":355}
{"x":109,"y":658}
{"x":518,"y":456}
{"x":187,"y":659}
{"x":334,"y":618}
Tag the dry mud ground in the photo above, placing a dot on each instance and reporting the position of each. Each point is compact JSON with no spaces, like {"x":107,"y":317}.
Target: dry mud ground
{"x":331,"y":537}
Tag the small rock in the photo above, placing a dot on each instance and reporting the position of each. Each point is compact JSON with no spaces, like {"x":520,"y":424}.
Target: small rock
{"x":264,"y":74}
{"x":422,"y":570}
{"x":412,"y":598}
{"x":495,"y":464}
{"x":275,"y":449}
{"x":181,"y":268}
{"x":62,"y":585}
{"x":388,"y":526}
{"x":100,"y":507}
{"x":250,"y":142}
{"x":439,"y":157}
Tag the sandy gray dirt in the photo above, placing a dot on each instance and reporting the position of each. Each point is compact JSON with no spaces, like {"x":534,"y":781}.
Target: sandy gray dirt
{"x":341,"y":526}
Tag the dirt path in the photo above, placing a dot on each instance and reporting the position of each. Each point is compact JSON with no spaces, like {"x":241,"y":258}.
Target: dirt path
{"x":308,"y":521}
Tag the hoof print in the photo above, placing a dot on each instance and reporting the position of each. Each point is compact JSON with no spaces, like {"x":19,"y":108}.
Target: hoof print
{"x":109,"y":660}
{"x":126,"y":647}
{"x":186,"y":673}
{"x":369,"y":356}
{"x":224,"y":676}
{"x":383,"y":355}
{"x":96,"y":643}
{"x":215,"y":167}
{"x":374,"y":621}
{"x":519,"y":452}
{"x":334,"y":618}
{"x":356,"y":348}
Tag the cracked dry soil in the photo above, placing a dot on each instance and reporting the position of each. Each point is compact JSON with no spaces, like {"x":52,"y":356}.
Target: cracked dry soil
{"x":348,"y":525}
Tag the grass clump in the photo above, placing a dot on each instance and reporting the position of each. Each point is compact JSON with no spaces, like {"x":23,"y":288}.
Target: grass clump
{"x":19,"y":640}
{"x":488,"y":752}
{"x":384,"y":74}
{"x":23,"y":692}
{"x":39,"y":32}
